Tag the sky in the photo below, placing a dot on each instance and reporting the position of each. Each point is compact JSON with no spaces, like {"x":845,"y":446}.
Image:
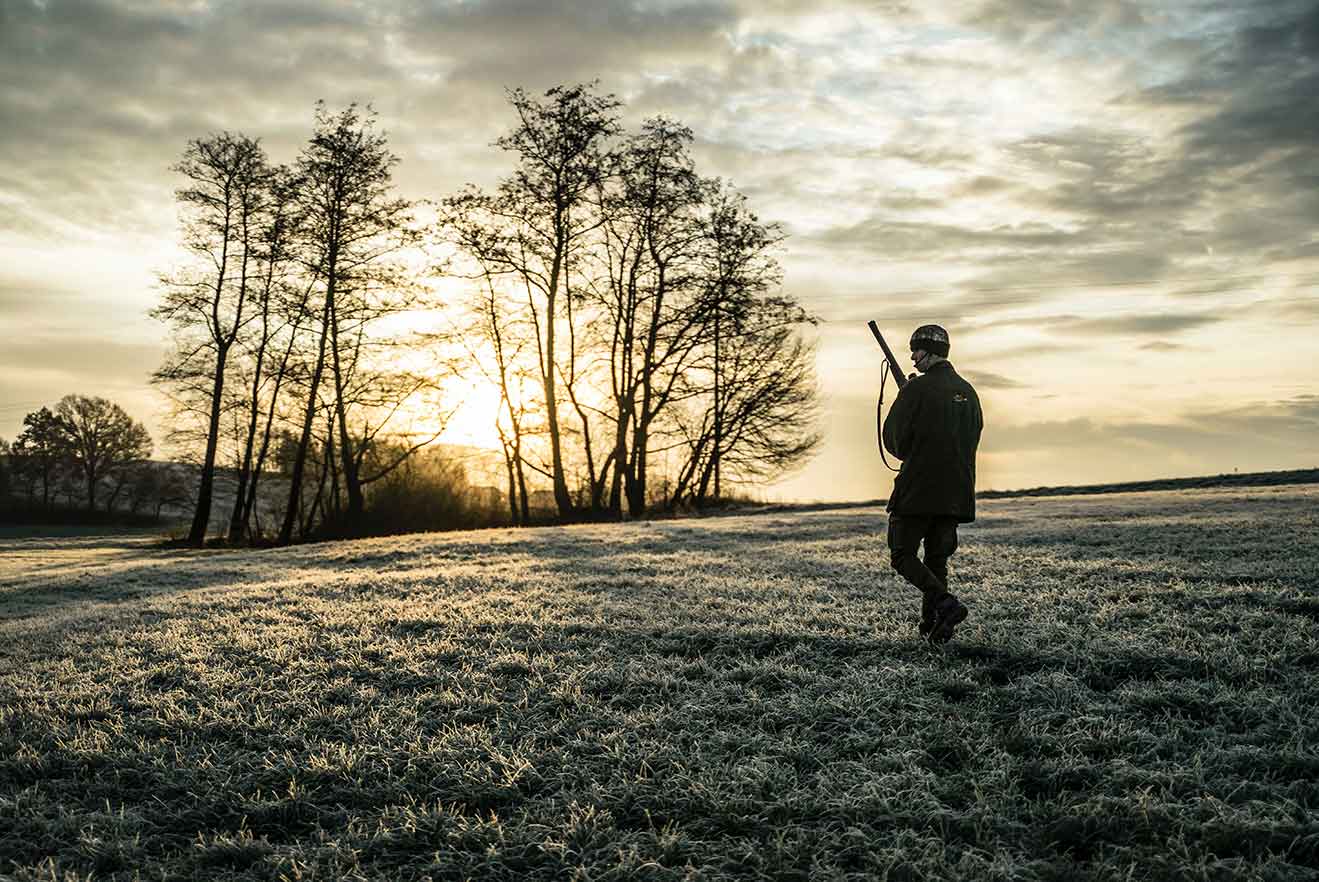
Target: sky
{"x":1113,"y":206}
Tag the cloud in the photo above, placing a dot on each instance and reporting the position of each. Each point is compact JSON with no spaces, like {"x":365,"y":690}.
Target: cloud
{"x":79,"y":359}
{"x":539,"y":43}
{"x":1046,"y":22}
{"x":1296,"y":417}
{"x":1269,"y":75}
{"x":1037,"y":277}
{"x":1248,"y":147}
{"x":1261,"y":432}
{"x":1304,"y":310}
{"x":1207,"y":170}
{"x":41,"y":369}
{"x":100,"y":97}
{"x":25,"y":300}
{"x":1161,"y":324}
{"x":908,"y":239}
{"x":987,"y":380}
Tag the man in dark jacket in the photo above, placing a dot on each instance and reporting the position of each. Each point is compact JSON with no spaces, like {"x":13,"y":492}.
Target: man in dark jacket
{"x":934,"y":428}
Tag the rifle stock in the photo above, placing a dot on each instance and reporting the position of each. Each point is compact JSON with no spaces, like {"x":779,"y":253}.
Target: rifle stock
{"x":894,"y":368}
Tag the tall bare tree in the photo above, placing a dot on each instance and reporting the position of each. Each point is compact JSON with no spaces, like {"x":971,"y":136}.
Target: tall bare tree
{"x":496,"y":323}
{"x":353,"y":226}
{"x":739,"y":273}
{"x":279,"y":310}
{"x":207,"y":305}
{"x":651,"y":245}
{"x":529,"y":228}
{"x":763,"y":422}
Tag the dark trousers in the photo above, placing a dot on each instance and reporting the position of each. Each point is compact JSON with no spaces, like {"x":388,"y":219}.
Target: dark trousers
{"x":905,"y":535}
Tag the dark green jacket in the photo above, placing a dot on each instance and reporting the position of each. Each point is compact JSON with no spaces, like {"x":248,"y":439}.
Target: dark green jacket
{"x":934,"y":428}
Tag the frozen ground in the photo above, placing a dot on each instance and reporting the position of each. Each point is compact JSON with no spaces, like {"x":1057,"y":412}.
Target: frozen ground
{"x":1134,"y":693}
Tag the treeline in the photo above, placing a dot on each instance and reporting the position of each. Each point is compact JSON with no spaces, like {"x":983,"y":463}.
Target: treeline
{"x":623,"y":309}
{"x":86,"y":459}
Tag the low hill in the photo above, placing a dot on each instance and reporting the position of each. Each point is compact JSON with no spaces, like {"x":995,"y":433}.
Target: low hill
{"x":1248,"y":479}
{"x":1135,"y":695}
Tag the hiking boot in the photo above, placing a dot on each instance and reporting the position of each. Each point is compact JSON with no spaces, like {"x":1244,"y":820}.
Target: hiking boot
{"x":948,"y":614}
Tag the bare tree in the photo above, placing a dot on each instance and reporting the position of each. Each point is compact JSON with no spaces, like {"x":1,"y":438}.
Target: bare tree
{"x":740,"y":270}
{"x":651,"y":245}
{"x":207,"y":306}
{"x":763,"y":422}
{"x":102,"y":439}
{"x":529,"y":228}
{"x":353,"y":226}
{"x":279,"y":311}
{"x":494,"y":324}
{"x":650,"y":274}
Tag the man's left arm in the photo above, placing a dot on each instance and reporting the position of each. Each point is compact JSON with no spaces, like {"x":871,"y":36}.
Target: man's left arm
{"x":897,"y":427}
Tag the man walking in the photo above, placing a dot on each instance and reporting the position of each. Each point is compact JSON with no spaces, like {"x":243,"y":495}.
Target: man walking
{"x":934,"y":428}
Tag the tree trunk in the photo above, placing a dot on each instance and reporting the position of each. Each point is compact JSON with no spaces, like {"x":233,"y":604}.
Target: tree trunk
{"x":249,"y":506}
{"x":351,"y":479}
{"x":636,"y":497}
{"x":300,"y":460}
{"x":718,"y":405}
{"x":620,"y":465}
{"x":202,"y":513}
{"x":238,"y":520}
{"x":91,"y":491}
{"x":561,"y":498}
{"x":512,"y":485}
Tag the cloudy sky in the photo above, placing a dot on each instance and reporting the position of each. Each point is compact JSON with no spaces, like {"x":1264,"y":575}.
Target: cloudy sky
{"x":1112,"y":205}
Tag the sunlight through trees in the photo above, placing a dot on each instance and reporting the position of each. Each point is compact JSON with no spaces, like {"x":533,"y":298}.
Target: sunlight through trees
{"x":620,"y":311}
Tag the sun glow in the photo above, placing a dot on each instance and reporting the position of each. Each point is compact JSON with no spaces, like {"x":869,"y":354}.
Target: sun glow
{"x":477,"y":411}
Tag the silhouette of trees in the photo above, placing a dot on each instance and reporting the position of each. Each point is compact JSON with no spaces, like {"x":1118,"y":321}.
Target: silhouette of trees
{"x":502,"y":339}
{"x":627,"y":311}
{"x":760,"y":399}
{"x":663,"y":285}
{"x":653,"y":297}
{"x":148,"y":487}
{"x":277,"y":320}
{"x":88,"y":452}
{"x":757,"y":413}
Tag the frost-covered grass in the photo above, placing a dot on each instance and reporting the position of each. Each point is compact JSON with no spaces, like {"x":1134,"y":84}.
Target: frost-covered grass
{"x":1135,"y":695}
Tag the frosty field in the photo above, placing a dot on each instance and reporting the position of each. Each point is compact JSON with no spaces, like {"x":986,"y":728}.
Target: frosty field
{"x":1135,"y":695}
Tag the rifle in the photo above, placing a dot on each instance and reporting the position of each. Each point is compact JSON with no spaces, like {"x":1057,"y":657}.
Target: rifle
{"x":898,"y":377}
{"x":894,"y":368}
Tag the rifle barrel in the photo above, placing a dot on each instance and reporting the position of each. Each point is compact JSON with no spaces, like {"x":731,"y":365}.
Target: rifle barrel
{"x":894,"y":368}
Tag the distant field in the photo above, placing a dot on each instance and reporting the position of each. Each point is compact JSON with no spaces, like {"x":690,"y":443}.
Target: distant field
{"x":1135,"y":695}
